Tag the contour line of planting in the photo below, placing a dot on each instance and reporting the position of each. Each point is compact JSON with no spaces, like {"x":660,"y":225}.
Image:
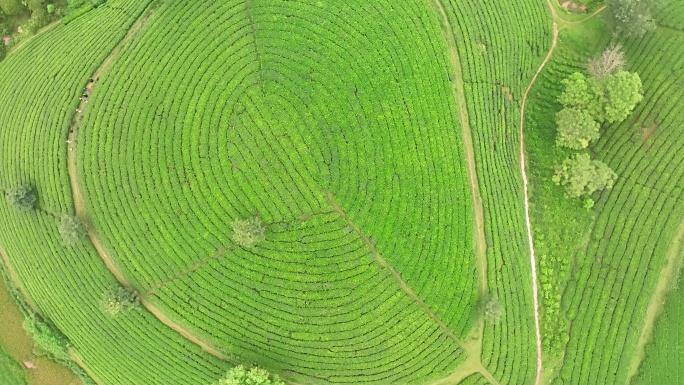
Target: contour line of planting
{"x":80,"y":207}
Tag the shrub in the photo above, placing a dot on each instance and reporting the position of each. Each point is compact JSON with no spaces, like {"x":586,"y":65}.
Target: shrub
{"x":255,"y":376}
{"x":248,"y":232}
{"x":22,"y":197}
{"x":118,"y":300}
{"x":47,"y":338}
{"x":71,"y":229}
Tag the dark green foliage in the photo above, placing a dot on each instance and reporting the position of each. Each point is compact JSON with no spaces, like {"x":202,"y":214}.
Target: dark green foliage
{"x":630,"y":17}
{"x":248,"y":232}
{"x":22,"y":197}
{"x":582,"y":176}
{"x":118,"y":300}
{"x":254,"y":376}
{"x":78,"y":12}
{"x":47,"y":338}
{"x":11,"y":7}
{"x":71,"y":229}
{"x":622,"y":92}
{"x":576,"y":128}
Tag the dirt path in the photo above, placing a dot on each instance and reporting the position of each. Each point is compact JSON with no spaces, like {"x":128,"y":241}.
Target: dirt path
{"x":472,"y":363}
{"x":480,"y":244}
{"x":560,"y":19}
{"x":533,"y":262}
{"x":40,"y":31}
{"x":666,"y":279}
{"x":14,"y":278}
{"x":81,"y":210}
{"x":77,"y":359}
{"x":199,"y":264}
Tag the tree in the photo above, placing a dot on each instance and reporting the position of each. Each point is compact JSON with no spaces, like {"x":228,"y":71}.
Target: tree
{"x":582,"y":176}
{"x":576,"y":128}
{"x":11,"y":7}
{"x":71,"y":229}
{"x":623,"y":92}
{"x":22,"y":197}
{"x":631,"y":17}
{"x":118,"y":300}
{"x":492,"y":308}
{"x":248,"y":232}
{"x":582,"y":93}
{"x":609,"y":98}
{"x":255,"y":376}
{"x":611,"y":60}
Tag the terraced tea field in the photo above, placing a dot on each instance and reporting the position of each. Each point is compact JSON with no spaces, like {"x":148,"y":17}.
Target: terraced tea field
{"x":380,"y":144}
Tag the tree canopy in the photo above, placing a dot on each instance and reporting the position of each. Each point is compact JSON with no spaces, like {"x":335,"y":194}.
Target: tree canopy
{"x":631,"y":17}
{"x":623,"y":92}
{"x":71,"y":229}
{"x":118,"y":300}
{"x":582,"y":176}
{"x":254,"y":376}
{"x":22,"y":197}
{"x":576,"y":128}
{"x":248,"y":232}
{"x":611,"y":59}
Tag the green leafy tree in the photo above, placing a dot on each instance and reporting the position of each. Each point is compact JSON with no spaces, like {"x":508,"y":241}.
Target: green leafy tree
{"x":248,"y":232}
{"x":582,"y":176}
{"x":576,"y":91}
{"x":582,"y":93}
{"x":623,"y":92}
{"x":118,"y":300}
{"x":22,"y":197}
{"x":631,"y":17}
{"x":11,"y":7}
{"x":254,"y":376}
{"x":576,"y":128}
{"x":71,"y":229}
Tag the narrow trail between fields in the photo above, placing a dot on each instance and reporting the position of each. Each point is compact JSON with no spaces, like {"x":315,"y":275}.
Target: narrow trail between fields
{"x":77,"y":359}
{"x":40,"y":31}
{"x":666,"y":279}
{"x":472,"y":363}
{"x":81,"y":211}
{"x":557,"y":16}
{"x":219,"y":253}
{"x":533,"y":261}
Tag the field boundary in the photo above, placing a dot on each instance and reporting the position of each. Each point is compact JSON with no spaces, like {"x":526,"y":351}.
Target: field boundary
{"x":219,"y":253}
{"x":472,"y":363}
{"x":668,"y":275}
{"x":14,"y":278}
{"x":77,"y":359}
{"x":81,"y":209}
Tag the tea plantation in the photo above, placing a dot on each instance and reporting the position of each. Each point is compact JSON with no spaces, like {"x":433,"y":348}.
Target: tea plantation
{"x":332,"y":191}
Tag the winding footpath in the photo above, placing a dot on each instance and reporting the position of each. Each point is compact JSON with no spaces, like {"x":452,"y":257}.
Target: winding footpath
{"x":533,"y":261}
